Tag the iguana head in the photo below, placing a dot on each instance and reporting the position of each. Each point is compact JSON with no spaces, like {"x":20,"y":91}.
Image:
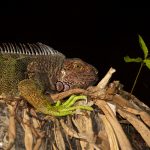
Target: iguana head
{"x":76,"y":74}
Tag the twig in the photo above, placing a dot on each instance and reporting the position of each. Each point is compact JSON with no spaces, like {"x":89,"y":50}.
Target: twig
{"x":62,"y":95}
{"x":102,"y":84}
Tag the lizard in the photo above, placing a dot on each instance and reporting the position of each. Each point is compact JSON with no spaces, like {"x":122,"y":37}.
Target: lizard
{"x":29,"y":70}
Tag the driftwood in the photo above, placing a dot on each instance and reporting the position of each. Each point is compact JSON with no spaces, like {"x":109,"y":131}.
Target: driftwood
{"x":119,"y":121}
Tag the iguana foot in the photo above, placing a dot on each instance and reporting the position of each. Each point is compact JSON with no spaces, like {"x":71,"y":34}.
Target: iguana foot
{"x":68,"y":108}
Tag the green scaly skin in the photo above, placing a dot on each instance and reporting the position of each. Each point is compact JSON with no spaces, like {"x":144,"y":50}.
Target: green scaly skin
{"x":33,"y":94}
{"x":12,"y":71}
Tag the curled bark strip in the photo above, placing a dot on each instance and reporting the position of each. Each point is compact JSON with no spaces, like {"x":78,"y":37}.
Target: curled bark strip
{"x":59,"y":137}
{"x":110,"y":132}
{"x":144,"y":115}
{"x":122,"y":138}
{"x":85,"y":129}
{"x":69,"y":130}
{"x":12,"y":126}
{"x":38,"y":133}
{"x":62,"y":95}
{"x":119,"y":100}
{"x":132,"y":108}
{"x":139,"y":125}
{"x":136,"y":102}
{"x":28,"y":132}
{"x":84,"y":126}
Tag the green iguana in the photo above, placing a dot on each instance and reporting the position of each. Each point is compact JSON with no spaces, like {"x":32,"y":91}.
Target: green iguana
{"x":31,"y":70}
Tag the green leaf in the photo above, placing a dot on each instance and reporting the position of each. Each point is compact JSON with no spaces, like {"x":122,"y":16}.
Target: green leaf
{"x":128,"y":59}
{"x":147,"y":62}
{"x":143,"y":46}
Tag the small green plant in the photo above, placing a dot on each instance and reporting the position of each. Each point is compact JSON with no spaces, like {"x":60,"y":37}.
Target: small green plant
{"x":144,"y":61}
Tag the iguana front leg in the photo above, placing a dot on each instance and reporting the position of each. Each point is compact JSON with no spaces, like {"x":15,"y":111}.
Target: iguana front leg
{"x":32,"y":92}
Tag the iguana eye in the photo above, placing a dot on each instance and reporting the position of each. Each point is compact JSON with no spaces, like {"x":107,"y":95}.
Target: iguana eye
{"x":77,"y":66}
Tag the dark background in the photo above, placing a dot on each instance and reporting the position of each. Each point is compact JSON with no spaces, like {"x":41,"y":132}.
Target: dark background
{"x":99,"y":34}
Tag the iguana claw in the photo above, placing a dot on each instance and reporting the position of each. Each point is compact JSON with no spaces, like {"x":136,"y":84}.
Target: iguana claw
{"x":67,"y":106}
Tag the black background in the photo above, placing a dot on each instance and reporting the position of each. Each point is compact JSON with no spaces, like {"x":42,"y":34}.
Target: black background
{"x":100,"y":34}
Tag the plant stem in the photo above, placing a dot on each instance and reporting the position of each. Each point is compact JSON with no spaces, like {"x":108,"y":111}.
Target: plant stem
{"x":135,"y":81}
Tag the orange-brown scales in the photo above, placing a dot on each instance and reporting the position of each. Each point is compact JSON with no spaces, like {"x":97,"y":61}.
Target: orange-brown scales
{"x":76,"y":73}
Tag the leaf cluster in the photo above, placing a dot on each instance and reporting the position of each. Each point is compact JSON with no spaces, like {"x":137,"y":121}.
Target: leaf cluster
{"x":144,"y":60}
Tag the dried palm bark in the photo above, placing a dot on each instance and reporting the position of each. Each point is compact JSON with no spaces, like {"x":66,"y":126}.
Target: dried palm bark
{"x":119,"y":121}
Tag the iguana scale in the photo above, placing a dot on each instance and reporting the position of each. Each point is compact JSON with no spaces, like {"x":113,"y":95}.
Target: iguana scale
{"x":31,"y":70}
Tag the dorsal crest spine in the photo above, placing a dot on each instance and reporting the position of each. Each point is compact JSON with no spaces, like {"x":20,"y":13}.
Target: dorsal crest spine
{"x":28,"y":49}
